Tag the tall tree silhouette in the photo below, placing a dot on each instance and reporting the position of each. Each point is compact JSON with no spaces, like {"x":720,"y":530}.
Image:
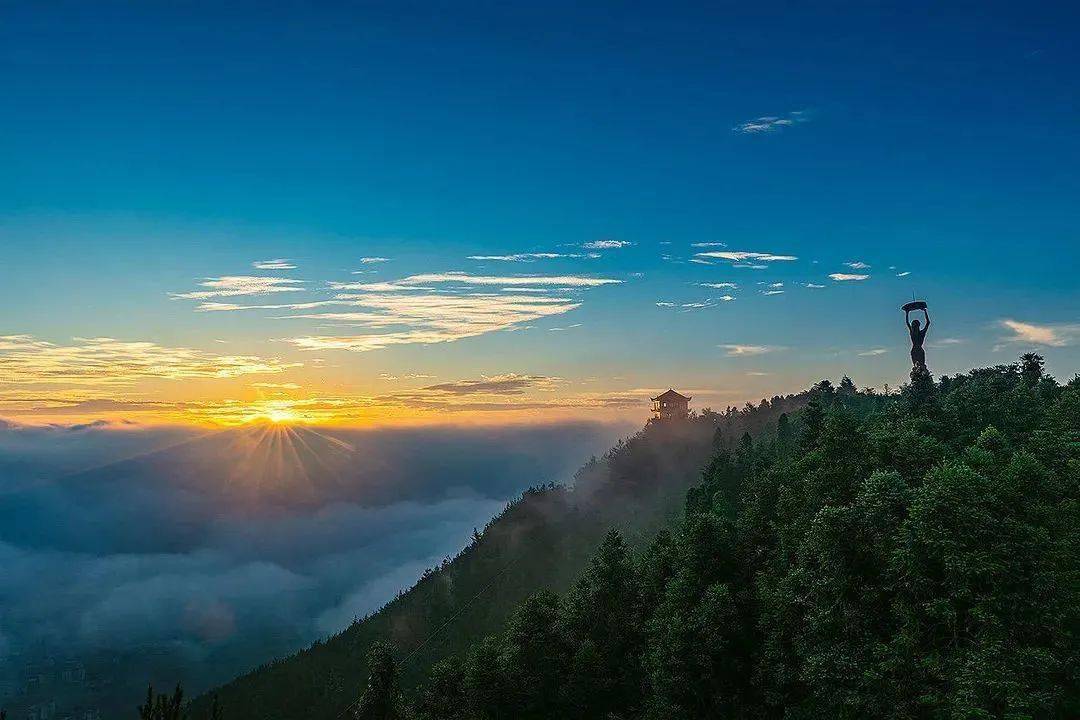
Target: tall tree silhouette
{"x":381,"y":699}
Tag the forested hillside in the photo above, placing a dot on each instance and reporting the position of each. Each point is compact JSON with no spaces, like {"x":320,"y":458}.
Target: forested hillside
{"x":543,"y":541}
{"x":908,"y":557}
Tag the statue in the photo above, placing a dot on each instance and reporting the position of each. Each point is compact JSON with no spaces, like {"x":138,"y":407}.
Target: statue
{"x":918,"y":333}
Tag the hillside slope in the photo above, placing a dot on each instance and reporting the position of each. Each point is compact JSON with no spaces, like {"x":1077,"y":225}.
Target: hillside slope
{"x":916,"y":561}
{"x":542,"y":541}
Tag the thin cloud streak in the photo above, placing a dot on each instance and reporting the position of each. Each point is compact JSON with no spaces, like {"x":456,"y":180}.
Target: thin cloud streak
{"x":743,"y":255}
{"x":467,"y":279}
{"x":607,"y":244}
{"x":531,"y":256}
{"x":735,"y":350}
{"x":238,"y":285}
{"x":26,"y":360}
{"x":770,"y":123}
{"x":275,"y":264}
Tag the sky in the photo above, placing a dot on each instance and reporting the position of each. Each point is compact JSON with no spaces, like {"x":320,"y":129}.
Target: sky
{"x":369,"y":214}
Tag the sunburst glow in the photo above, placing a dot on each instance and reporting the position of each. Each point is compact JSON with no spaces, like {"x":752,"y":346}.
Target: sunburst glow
{"x":282,"y":416}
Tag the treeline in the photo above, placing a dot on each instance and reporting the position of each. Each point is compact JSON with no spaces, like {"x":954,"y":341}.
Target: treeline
{"x":916,"y":556}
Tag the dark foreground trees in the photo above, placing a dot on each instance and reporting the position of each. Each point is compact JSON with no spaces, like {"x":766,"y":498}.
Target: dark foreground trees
{"x":911,"y":557}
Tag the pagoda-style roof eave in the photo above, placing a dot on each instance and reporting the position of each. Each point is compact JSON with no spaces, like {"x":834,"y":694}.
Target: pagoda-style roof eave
{"x":672,"y":395}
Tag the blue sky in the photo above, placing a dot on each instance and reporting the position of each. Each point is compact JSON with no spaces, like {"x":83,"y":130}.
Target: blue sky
{"x":148,"y":148}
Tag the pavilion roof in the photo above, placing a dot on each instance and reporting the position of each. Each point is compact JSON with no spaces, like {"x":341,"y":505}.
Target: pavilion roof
{"x":671,"y":395}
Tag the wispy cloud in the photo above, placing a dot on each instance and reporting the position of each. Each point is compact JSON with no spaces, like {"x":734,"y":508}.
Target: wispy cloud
{"x":848,"y":277}
{"x":607,"y":244}
{"x":440,"y":307}
{"x":772,"y":292}
{"x":735,"y":350}
{"x":857,"y":265}
{"x":1059,"y":335}
{"x":442,"y":401}
{"x":873,"y":353}
{"x":708,"y":244}
{"x":276,"y":386}
{"x":275,"y":264}
{"x":238,"y":285}
{"x":903,"y":274}
{"x":744,"y":255}
{"x":404,"y":376}
{"x":413,"y":281}
{"x":26,"y":360}
{"x":531,"y":256}
{"x":814,"y":286}
{"x":373,"y":260}
{"x":770,"y":123}
{"x":721,"y":285}
{"x":508,"y":384}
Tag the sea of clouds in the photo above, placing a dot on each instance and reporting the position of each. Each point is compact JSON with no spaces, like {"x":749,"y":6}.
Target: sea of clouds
{"x":93,"y":567}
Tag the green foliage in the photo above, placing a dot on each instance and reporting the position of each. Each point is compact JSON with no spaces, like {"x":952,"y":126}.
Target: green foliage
{"x":914,"y":557}
{"x":843,"y":554}
{"x":381,"y":699}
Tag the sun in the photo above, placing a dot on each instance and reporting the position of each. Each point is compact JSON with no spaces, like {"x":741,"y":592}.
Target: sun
{"x":282,"y":416}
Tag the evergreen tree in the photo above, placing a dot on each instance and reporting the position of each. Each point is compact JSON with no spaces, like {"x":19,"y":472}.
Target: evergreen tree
{"x":381,"y":699}
{"x":783,"y":435}
{"x":534,"y":657}
{"x":163,"y":706}
{"x":443,"y":697}
{"x":1031,"y":367}
{"x":485,"y":682}
{"x":813,"y":417}
{"x":602,"y":621}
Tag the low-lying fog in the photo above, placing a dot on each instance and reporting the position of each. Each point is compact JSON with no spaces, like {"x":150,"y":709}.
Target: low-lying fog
{"x":145,"y":553}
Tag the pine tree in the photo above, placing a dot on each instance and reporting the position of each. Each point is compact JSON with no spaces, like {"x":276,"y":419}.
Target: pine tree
{"x":602,"y":621}
{"x":163,"y":706}
{"x":443,"y":697}
{"x":535,"y":655}
{"x":813,"y":418}
{"x":1031,"y":367}
{"x":216,"y":712}
{"x":381,"y":699}
{"x":783,"y":434}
